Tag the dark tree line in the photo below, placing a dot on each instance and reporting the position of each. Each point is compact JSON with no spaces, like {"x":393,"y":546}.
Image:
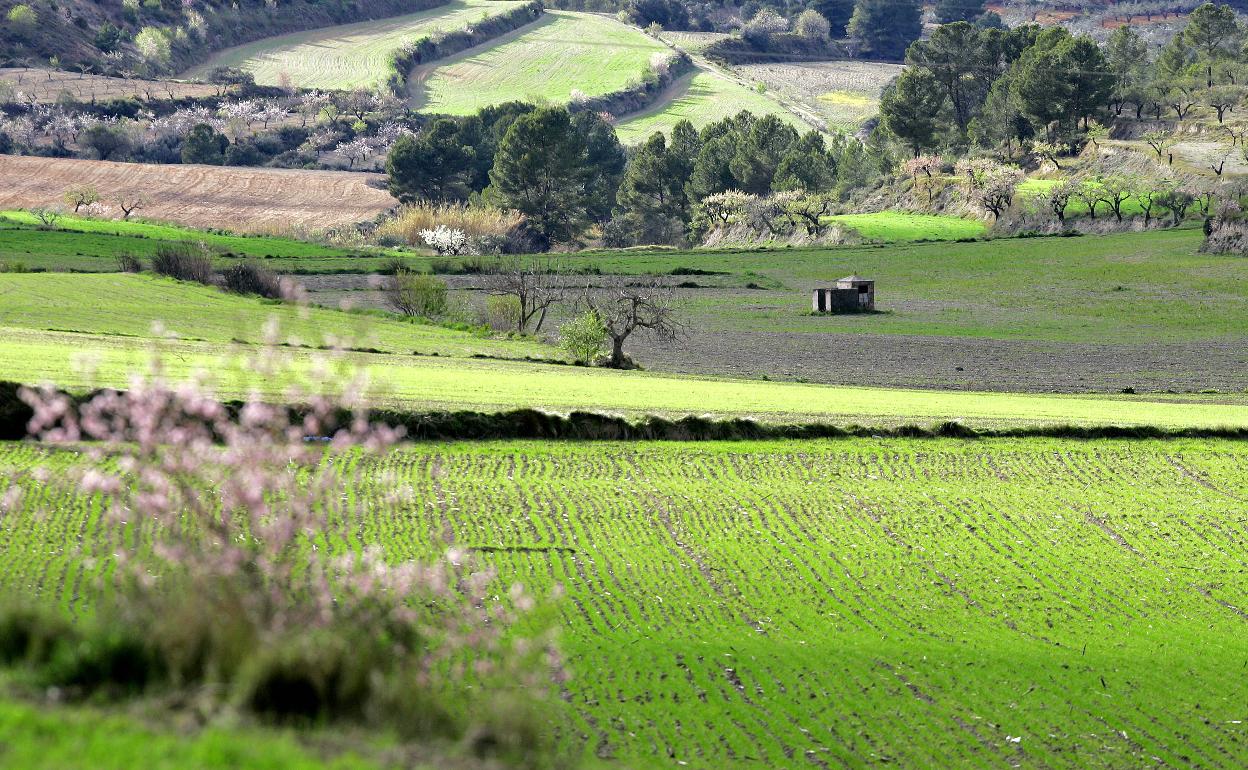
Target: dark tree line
{"x":996,"y":88}
{"x":567,"y":173}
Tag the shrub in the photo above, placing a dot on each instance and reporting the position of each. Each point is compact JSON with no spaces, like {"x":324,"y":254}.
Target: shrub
{"x":474,"y":222}
{"x":502,"y":311}
{"x":445,"y":241}
{"x":23,"y":19}
{"x":185,"y":262}
{"x":415,"y":294}
{"x":248,"y":278}
{"x":245,"y":601}
{"x":128,"y":263}
{"x":584,"y":337}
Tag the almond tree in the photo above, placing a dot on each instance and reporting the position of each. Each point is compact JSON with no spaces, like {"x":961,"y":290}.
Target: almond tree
{"x":628,"y":308}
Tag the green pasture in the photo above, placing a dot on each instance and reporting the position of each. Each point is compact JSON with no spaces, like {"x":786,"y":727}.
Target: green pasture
{"x":347,"y":56}
{"x":1032,"y":190}
{"x":82,"y":244}
{"x":450,"y":381}
{"x":129,"y":306}
{"x":1127,"y":287}
{"x":544,"y":61}
{"x":901,"y":226}
{"x":701,"y":97}
{"x":853,"y":603}
{"x":50,"y":738}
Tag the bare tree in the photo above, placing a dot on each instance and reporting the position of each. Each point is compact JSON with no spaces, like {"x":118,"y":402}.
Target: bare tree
{"x":1160,"y":141}
{"x":534,"y":284}
{"x":47,"y":216}
{"x":130,"y":201}
{"x":627,"y":308}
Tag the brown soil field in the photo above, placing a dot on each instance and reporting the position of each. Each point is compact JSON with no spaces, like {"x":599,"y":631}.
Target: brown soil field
{"x":47,"y":85}
{"x":247,"y":200}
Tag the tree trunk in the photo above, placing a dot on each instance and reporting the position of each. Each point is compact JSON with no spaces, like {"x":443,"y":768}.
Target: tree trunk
{"x":617,"y":352}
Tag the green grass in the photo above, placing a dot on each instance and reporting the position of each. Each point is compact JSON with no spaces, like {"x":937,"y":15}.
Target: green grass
{"x":909,"y":603}
{"x":544,"y":61}
{"x":126,"y":306}
{"x":898,"y":226}
{"x":1129,"y":287}
{"x":93,"y":245}
{"x":350,"y":55}
{"x":1034,"y":189}
{"x":436,"y":383}
{"x":56,"y":738}
{"x":701,"y":97}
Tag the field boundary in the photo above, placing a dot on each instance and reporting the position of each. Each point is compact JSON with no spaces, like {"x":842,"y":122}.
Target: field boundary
{"x":597,"y":426}
{"x":645,"y":95}
{"x":430,"y":48}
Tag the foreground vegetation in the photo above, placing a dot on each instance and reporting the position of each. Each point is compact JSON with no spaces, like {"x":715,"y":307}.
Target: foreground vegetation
{"x":918,"y":602}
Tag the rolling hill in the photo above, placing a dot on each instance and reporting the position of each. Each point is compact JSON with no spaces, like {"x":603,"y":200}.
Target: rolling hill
{"x":346,"y":56}
{"x":550,"y":60}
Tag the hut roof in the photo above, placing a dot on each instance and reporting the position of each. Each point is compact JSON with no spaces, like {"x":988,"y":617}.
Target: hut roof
{"x":854,"y":279}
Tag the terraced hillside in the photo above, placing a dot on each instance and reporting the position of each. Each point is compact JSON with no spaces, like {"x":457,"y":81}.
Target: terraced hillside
{"x":912,"y":603}
{"x":842,"y":93}
{"x":701,"y":97}
{"x":346,"y":56}
{"x":46,"y":86}
{"x":549,"y":60}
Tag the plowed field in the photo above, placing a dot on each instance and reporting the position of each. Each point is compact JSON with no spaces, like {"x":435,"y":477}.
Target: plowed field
{"x":233,"y":198}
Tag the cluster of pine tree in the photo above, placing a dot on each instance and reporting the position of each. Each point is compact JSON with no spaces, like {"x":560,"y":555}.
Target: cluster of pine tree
{"x":567,"y":173}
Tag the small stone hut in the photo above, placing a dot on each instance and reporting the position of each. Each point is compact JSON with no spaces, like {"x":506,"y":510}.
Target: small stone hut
{"x":852,"y":294}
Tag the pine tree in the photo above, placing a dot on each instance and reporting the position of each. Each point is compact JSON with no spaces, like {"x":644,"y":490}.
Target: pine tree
{"x":886,"y":27}
{"x":540,"y":170}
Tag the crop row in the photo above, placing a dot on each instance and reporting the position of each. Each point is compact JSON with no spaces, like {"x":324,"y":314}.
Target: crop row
{"x":1036,"y":603}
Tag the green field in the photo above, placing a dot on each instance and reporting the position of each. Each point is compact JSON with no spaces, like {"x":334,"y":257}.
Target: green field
{"x":93,"y":245}
{"x":1136,"y":287}
{"x":900,"y":226}
{"x":43,"y":738}
{"x":346,"y":56}
{"x":86,"y":245}
{"x":1034,"y":189}
{"x":909,"y":603}
{"x":701,"y":97}
{"x":545,"y":61}
{"x":446,"y":382}
{"x":124,"y":306}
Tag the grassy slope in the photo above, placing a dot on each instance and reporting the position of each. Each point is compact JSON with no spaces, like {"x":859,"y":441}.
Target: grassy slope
{"x":701,"y":97}
{"x":127,"y":306}
{"x":350,"y":55}
{"x":91,"y":245}
{"x":1131,"y":287}
{"x":544,"y":61}
{"x":926,"y":603}
{"x":899,"y":227}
